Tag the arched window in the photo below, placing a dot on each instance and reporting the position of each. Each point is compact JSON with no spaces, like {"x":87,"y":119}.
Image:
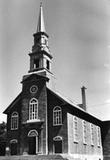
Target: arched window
{"x":92,"y":133}
{"x":33,"y":109}
{"x":14,"y":121}
{"x":98,"y":137}
{"x":57,"y":116}
{"x":84,"y":125}
{"x":75,"y":128}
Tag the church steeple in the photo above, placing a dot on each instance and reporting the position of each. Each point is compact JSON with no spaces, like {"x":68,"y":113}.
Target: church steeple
{"x":41,"y":24}
{"x":40,"y":57}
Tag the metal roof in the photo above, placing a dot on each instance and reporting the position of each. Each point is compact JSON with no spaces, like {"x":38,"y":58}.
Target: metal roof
{"x":41,"y":25}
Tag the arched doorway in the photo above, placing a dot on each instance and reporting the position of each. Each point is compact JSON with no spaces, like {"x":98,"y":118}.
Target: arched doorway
{"x":13,"y":146}
{"x":33,"y":141}
{"x":57,"y":144}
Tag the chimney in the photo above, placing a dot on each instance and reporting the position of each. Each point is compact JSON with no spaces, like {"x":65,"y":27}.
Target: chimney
{"x":83,"y":97}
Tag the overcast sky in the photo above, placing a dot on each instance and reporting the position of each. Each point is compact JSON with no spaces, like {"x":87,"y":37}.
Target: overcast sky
{"x":79,"y":40}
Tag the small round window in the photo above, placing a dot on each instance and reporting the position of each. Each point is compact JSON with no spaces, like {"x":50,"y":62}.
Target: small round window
{"x":33,"y":89}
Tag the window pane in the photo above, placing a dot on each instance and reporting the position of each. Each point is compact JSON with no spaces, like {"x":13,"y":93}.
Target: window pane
{"x":92,"y":134}
{"x":75,"y":129}
{"x":98,"y":136}
{"x":33,"y":110}
{"x":57,"y":116}
{"x":14,"y":121}
{"x":84,"y":132}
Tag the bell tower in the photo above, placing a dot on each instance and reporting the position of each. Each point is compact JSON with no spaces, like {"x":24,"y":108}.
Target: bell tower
{"x":40,"y":57}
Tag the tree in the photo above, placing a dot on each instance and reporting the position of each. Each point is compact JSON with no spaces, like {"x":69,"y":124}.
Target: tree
{"x":2,"y":138}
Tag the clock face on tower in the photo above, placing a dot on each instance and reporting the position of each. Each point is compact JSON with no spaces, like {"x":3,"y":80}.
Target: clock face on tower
{"x":33,"y":89}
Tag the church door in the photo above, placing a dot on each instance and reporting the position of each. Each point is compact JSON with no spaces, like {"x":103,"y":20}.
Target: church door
{"x":13,"y":148}
{"x":57,"y":144}
{"x":32,"y":145}
{"x":33,"y":142}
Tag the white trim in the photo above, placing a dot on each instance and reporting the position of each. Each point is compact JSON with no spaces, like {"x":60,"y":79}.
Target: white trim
{"x":17,"y":116}
{"x":32,"y":131}
{"x":14,"y":141}
{"x":75,"y":129}
{"x":58,"y":117}
{"x":33,"y":120}
{"x":35,"y":72}
{"x":36,"y":135}
{"x":58,"y":138}
{"x":98,"y":137}
{"x":92,"y":133}
{"x":33,"y":113}
{"x":37,"y":144}
{"x":46,"y":131}
{"x":84,"y":126}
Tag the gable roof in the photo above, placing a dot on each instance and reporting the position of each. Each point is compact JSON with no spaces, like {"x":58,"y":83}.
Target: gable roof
{"x":71,"y":103}
{"x":65,"y":99}
{"x":16,"y":100}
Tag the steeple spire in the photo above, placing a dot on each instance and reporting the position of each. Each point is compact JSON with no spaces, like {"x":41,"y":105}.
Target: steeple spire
{"x":41,"y":57}
{"x":41,"y":25}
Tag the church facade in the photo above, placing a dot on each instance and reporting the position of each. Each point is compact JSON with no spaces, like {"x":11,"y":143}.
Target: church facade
{"x":41,"y":121}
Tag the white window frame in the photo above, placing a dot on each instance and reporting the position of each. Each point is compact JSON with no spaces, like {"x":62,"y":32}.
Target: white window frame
{"x":57,"y":116}
{"x":98,"y":136}
{"x":14,"y":141}
{"x":75,"y":129}
{"x":92,"y":133}
{"x":34,"y":135}
{"x":33,"y":109}
{"x":58,"y":138}
{"x":14,"y":121}
{"x":84,"y":126}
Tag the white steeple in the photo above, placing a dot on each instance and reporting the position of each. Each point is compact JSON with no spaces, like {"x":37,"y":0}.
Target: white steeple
{"x":41,"y":57}
{"x":41,"y":25}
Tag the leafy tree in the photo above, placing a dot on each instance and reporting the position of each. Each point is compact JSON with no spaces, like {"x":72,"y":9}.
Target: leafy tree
{"x":2,"y":138}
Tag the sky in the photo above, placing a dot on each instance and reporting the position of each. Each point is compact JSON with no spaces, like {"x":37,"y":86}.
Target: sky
{"x":79,"y":40}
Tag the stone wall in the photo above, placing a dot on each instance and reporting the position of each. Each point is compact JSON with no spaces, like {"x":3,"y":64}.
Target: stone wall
{"x":106,"y":139}
{"x":39,"y":126}
{"x":60,"y":130}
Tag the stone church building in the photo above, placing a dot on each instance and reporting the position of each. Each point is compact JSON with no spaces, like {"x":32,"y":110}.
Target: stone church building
{"x":41,"y":121}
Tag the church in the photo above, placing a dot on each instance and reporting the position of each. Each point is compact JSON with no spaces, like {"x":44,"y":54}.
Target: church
{"x":40,"y":121}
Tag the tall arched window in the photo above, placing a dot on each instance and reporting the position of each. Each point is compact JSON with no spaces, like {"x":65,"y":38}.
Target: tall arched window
{"x":98,"y":137}
{"x":92,"y":133}
{"x":57,"y":116}
{"x":84,"y":125}
{"x":14,"y":121}
{"x":33,"y":109}
{"x":75,"y":128}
